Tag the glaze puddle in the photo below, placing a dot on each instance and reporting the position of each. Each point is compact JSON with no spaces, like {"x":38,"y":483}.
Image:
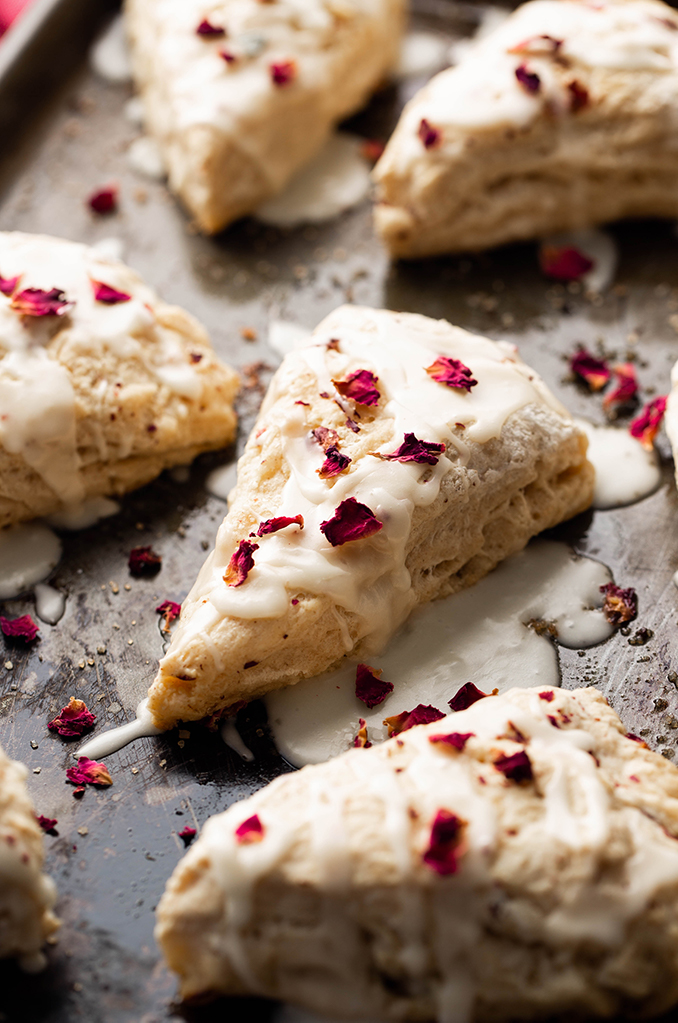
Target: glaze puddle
{"x":83,"y":514}
{"x":28,"y":553}
{"x":221,"y":481}
{"x":50,"y":604}
{"x":478,"y":635}
{"x":625,"y":471}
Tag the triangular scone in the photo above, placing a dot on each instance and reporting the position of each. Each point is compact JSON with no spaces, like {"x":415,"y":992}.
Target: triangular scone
{"x":102,"y":385}
{"x":516,"y":860}
{"x":27,"y":896}
{"x":380,"y":534}
{"x":563,"y":117}
{"x":242,"y":93}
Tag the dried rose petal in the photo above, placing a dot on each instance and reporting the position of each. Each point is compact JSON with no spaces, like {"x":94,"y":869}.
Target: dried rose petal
{"x":529,"y":80}
{"x":451,"y":372}
{"x":423,"y":452}
{"x":47,"y":824}
{"x":620,"y":605}
{"x":104,"y":200}
{"x":466,"y":697}
{"x":361,"y":741}
{"x":457,"y":740}
{"x":187,"y":835}
{"x":144,"y":561}
{"x":546,"y":695}
{"x":351,"y":521}
{"x":372,"y":149}
{"x":446,"y":832}
{"x":8,"y":285}
{"x":229,"y":57}
{"x":537,"y":44}
{"x":325,"y":437}
{"x":283,"y":73}
{"x":636,"y":738}
{"x":19,"y":628}
{"x":595,"y":372}
{"x":360,"y":387}
{"x":89,"y":772}
{"x":423,"y":714}
{"x":72,"y":720}
{"x":209,"y":31}
{"x":369,"y":688}
{"x":281,"y":522}
{"x":251,"y":830}
{"x":646,"y":426}
{"x":563,"y":262}
{"x":334,"y":464}
{"x":170,"y":611}
{"x":516,"y":767}
{"x":110,"y":296}
{"x":241,"y":563}
{"x":579,"y":96}
{"x":429,"y":135}
{"x":36,"y":302}
{"x":626,"y":387}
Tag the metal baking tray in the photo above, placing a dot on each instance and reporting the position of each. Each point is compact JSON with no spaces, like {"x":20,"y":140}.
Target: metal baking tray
{"x":116,"y":848}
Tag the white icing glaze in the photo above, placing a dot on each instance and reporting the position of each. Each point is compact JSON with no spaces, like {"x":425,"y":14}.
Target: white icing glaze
{"x":600,"y":247}
{"x":86,"y":513}
{"x":625,"y":471}
{"x":422,"y":53}
{"x":671,"y":417}
{"x":110,"y":248}
{"x":109,"y":56}
{"x":50,"y":604}
{"x":116,"y":738}
{"x":335,"y":180}
{"x":37,"y":400}
{"x":134,"y":111}
{"x":221,"y":481}
{"x":145,"y":158}
{"x":284,"y":336}
{"x":368,"y":577}
{"x":474,"y":636}
{"x":28,"y":553}
{"x":231,"y":736}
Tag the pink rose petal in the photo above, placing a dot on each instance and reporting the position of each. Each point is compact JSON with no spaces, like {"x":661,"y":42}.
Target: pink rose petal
{"x":646,"y":426}
{"x":595,"y":372}
{"x":457,"y":740}
{"x":48,"y":824}
{"x":251,"y":830}
{"x":36,"y":302}
{"x":335,"y":463}
{"x":446,"y":833}
{"x":626,"y":387}
{"x":351,"y":521}
{"x":452,"y":373}
{"x":563,"y":262}
{"x":89,"y":772}
{"x":466,"y":697}
{"x":429,"y":135}
{"x":209,"y":31}
{"x":369,"y":688}
{"x":281,"y":522}
{"x":422,"y":714}
{"x":620,"y":605}
{"x":19,"y":628}
{"x":187,"y":835}
{"x":360,"y":387}
{"x":73,"y":720}
{"x":516,"y":767}
{"x":144,"y":561}
{"x":283,"y":73}
{"x":104,"y":200}
{"x":413,"y":450}
{"x":241,"y":563}
{"x":361,"y":741}
{"x":108,"y":295}
{"x":529,"y":80}
{"x":8,"y":285}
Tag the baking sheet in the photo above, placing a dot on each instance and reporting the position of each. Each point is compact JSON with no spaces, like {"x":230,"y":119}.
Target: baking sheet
{"x":116,"y":848}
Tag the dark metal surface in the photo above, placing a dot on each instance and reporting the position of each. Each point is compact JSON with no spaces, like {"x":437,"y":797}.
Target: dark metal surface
{"x":116,"y":848}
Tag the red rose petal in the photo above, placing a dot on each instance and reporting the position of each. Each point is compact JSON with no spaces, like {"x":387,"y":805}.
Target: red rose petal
{"x":325,"y":437}
{"x":283,"y":73}
{"x":187,"y":835}
{"x":429,"y":135}
{"x":579,"y":96}
{"x":563,"y":262}
{"x":281,"y":522}
{"x":8,"y":285}
{"x":457,"y":740}
{"x":646,"y":425}
{"x":466,"y":697}
{"x":89,"y":772}
{"x":251,"y":830}
{"x":104,"y":200}
{"x":452,"y":373}
{"x":446,"y":833}
{"x":108,"y":295}
{"x":423,"y":452}
{"x":229,"y":57}
{"x":144,"y":561}
{"x":594,"y":371}
{"x":47,"y":824}
{"x":546,"y":695}
{"x":423,"y":714}
{"x":516,"y":767}
{"x":209,"y":31}
{"x":626,"y":387}
{"x":19,"y":628}
{"x":361,"y":741}
{"x":334,"y":464}
{"x":170,"y":611}
{"x":529,"y":80}
{"x":369,"y":688}
{"x":73,"y":720}
{"x":537,"y":44}
{"x":351,"y":521}
{"x":360,"y":387}
{"x":36,"y":302}
{"x":241,"y":563}
{"x":620,"y":605}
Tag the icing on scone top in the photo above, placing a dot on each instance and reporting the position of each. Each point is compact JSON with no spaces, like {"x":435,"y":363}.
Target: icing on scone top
{"x":356,"y":522}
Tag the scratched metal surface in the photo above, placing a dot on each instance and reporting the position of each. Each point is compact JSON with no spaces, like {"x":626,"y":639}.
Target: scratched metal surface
{"x":116,"y":848}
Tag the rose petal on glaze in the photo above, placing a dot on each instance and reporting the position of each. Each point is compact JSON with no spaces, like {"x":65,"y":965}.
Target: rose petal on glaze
{"x":251,"y":830}
{"x":563,"y":262}
{"x":351,"y":521}
{"x":170,"y":611}
{"x":281,"y":522}
{"x":209,"y":31}
{"x":108,"y":295}
{"x":626,"y":387}
{"x":446,"y":833}
{"x":529,"y":80}
{"x":412,"y":449}
{"x":361,"y":741}
{"x":73,"y":720}
{"x":429,"y":135}
{"x":241,"y":563}
{"x":423,"y":714}
{"x":369,"y":688}
{"x":646,"y":425}
{"x":8,"y":285}
{"x":457,"y":740}
{"x":37,"y":302}
{"x":466,"y":697}
{"x":515,"y":767}
{"x":89,"y":772}
{"x":23,"y":628}
{"x":620,"y":605}
{"x":335,"y":463}
{"x":283,"y":73}
{"x":360,"y":387}
{"x":595,"y":372}
{"x":452,"y":373}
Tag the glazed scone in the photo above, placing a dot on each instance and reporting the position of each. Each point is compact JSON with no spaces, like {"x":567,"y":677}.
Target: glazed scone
{"x":240,"y":94}
{"x":351,"y":438}
{"x":27,"y":896}
{"x":563,"y":117}
{"x":102,"y":384}
{"x":515,"y":860}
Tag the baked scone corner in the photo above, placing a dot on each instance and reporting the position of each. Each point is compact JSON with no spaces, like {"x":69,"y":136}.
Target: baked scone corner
{"x":396,"y":459}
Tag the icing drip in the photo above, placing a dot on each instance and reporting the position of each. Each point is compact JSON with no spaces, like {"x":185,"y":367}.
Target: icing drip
{"x":109,"y":57}
{"x":28,"y":553}
{"x":83,"y":515}
{"x":221,"y":481}
{"x":233,"y":739}
{"x":116,"y":738}
{"x":50,"y":604}
{"x":625,"y":470}
{"x":475,"y":635}
{"x":369,"y":578}
{"x":145,"y":158}
{"x":284,"y":336}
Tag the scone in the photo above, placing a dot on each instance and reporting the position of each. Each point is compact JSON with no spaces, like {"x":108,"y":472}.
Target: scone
{"x":102,"y":385}
{"x":561,"y":118}
{"x":396,"y":459}
{"x":241,"y":93}
{"x":515,"y":860}
{"x":27,"y":896}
